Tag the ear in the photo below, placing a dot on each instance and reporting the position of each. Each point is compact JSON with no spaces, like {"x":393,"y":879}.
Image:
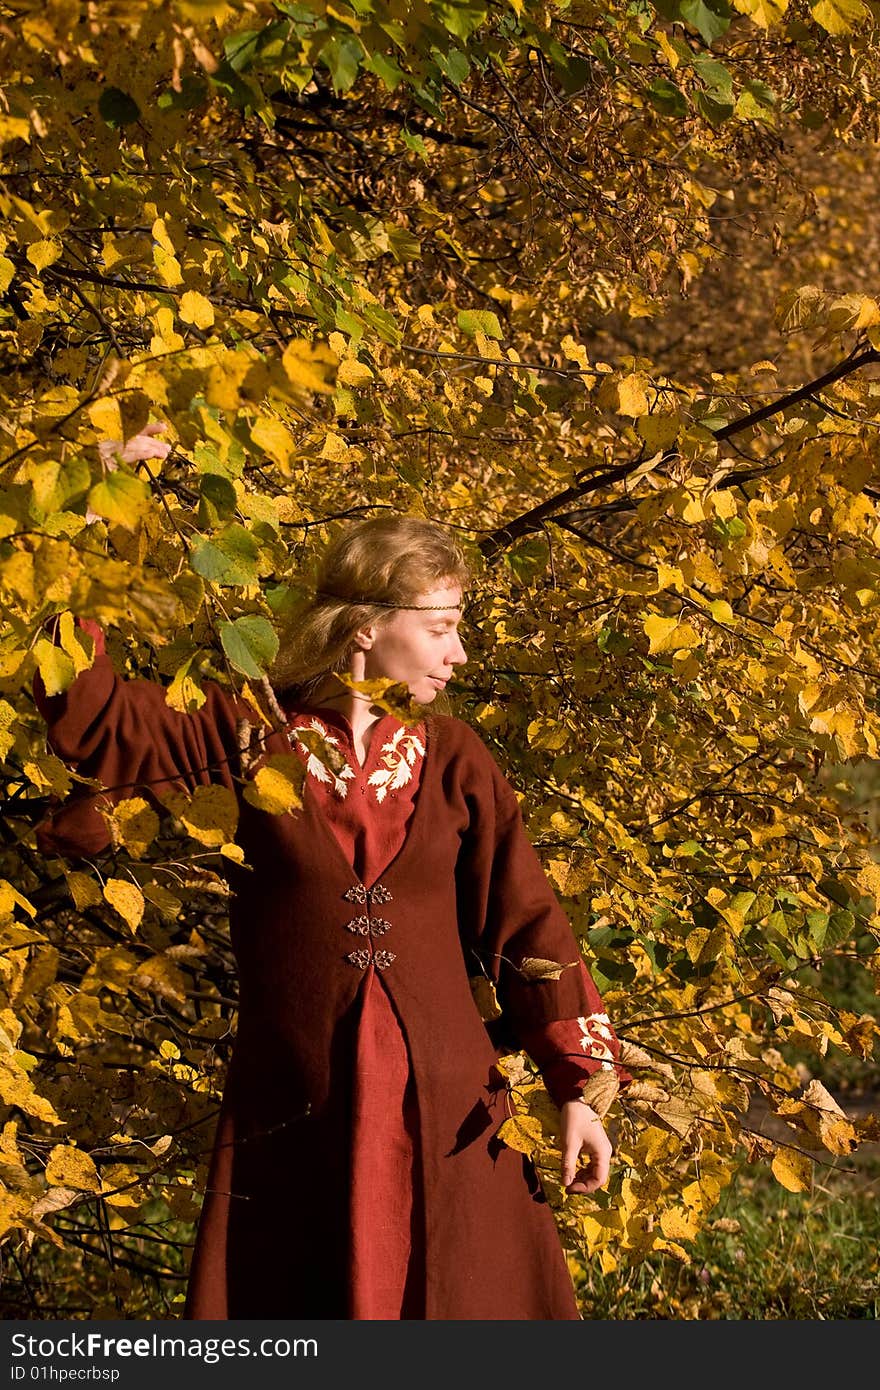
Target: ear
{"x":364,"y":637}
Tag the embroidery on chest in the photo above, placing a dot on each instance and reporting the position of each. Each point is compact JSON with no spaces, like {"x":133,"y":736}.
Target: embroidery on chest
{"x":319,"y":770}
{"x":400,"y":757}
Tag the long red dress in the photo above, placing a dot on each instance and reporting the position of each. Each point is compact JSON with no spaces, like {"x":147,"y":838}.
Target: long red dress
{"x":369,"y":810}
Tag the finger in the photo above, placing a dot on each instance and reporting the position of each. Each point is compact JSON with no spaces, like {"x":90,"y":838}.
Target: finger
{"x":570,"y":1154}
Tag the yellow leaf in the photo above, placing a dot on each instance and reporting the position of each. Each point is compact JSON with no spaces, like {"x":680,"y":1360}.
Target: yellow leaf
{"x":46,"y":770}
{"x":309,"y":366}
{"x":210,"y":815}
{"x":168,"y":267}
{"x":55,"y":666}
{"x":106,"y":417}
{"x":631,"y":397}
{"x":570,"y":877}
{"x":659,"y":631}
{"x":336,"y":450}
{"x":575,"y":351}
{"x":166,"y":339}
{"x":722,"y":612}
{"x":70,"y":1167}
{"x":196,"y":309}
{"x":668,"y":634}
{"x":169,"y":906}
{"x":17,"y":1089}
{"x":160,"y":234}
{"x":185,"y":692}
{"x":678,"y":1224}
{"x":839,"y":16}
{"x":599,"y":1091}
{"x":276,"y":786}
{"x":44,"y":253}
{"x":485,"y":997}
{"x":80,"y":655}
{"x":14,"y":128}
{"x":534,"y":968}
{"x":764,"y":13}
{"x":11,"y":898}
{"x":723,"y":503}
{"x":127,"y":899}
{"x":163,"y":977}
{"x":523,"y":1133}
{"x":659,"y":431}
{"x":85,"y":891}
{"x":792,"y":1169}
{"x":134,"y":824}
{"x":121,"y":497}
{"x":13,"y":1210}
{"x":353,"y":373}
{"x":274,"y":439}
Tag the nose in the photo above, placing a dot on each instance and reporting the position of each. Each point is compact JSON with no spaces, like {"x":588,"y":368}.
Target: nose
{"x":458,"y":653}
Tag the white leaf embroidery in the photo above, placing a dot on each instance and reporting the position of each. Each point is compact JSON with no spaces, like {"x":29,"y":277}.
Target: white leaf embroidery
{"x":597,"y":1036}
{"x":398,"y":761}
{"x":319,"y":770}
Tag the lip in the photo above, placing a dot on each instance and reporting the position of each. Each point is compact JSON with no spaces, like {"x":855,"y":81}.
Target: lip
{"x":441,"y":685}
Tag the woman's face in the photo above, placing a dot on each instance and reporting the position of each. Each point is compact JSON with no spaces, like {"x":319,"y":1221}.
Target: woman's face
{"x":420,"y":648}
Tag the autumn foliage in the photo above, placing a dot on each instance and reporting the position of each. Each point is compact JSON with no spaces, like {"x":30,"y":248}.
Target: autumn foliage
{"x":577,"y":280}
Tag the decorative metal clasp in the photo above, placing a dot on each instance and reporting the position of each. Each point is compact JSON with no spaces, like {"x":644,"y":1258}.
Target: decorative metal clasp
{"x":359,"y":958}
{"x":357,"y":893}
{"x":383,"y":959}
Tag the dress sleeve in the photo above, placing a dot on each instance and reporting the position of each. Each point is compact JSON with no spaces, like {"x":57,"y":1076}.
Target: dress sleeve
{"x":510,"y":913}
{"x":122,"y":733}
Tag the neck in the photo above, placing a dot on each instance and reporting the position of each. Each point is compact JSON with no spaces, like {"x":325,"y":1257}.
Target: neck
{"x":358,"y":709}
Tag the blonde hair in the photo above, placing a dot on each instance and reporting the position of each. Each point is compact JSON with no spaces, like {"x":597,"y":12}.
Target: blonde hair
{"x":393,"y":559}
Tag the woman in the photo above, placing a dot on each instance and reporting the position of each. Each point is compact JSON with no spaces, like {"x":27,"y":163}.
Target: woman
{"x":356,"y":1169}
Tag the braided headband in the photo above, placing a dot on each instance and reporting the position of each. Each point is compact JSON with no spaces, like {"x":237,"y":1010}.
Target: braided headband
{"x":380,"y":603}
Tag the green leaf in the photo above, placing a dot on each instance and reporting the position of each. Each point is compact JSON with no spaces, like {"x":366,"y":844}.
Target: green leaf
{"x":217,"y":501}
{"x":453,"y":64}
{"x":841,"y":927}
{"x":715,"y":77}
{"x":342,"y":56}
{"x":251,"y":644}
{"x":715,"y":112}
{"x":383,"y":322}
{"x":117,"y":109}
{"x":120,"y":497}
{"x":404,"y":246}
{"x":193,"y":92}
{"x":710,"y":18}
{"x":386,"y":70}
{"x":230,"y":558}
{"x":529,"y":558}
{"x":666,"y":98}
{"x":473,"y":321}
{"x":415,"y":143}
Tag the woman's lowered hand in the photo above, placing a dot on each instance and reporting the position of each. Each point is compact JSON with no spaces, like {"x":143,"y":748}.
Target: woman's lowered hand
{"x":586,"y":1148}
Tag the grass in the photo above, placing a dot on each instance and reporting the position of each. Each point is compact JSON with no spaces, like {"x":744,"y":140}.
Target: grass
{"x":776,"y":1255}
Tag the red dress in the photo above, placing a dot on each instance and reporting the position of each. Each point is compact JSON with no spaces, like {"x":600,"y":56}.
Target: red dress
{"x":369,"y":808}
